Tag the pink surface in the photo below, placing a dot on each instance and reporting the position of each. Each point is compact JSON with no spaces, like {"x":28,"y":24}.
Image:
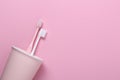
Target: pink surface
{"x":83,"y":38}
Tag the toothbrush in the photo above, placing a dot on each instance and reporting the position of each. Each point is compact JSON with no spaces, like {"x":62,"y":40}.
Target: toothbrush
{"x":42,"y":33}
{"x":39,"y":25}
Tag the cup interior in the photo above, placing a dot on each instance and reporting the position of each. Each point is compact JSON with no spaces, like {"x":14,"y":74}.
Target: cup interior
{"x":26,"y":53}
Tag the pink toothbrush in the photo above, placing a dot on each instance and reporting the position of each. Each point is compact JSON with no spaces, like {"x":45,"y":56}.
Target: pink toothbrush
{"x":39,"y":25}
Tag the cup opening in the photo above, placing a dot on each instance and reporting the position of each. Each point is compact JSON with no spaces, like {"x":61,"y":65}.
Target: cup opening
{"x":26,"y":53}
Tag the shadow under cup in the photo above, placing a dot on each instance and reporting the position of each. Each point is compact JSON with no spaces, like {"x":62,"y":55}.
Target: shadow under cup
{"x":21,"y":65}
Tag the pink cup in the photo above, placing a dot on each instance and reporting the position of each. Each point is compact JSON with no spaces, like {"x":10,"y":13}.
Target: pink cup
{"x":21,"y":65}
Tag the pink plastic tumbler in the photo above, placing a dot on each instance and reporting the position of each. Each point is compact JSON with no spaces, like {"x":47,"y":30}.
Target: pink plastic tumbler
{"x":21,"y":65}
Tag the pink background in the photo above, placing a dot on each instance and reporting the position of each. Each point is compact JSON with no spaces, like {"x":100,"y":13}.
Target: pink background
{"x":83,"y":41}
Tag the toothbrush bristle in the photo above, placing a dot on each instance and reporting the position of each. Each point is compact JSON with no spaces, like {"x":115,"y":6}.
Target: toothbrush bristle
{"x":39,"y":24}
{"x":43,"y":33}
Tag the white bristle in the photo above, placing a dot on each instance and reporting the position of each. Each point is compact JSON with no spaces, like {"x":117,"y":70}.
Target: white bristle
{"x":43,"y":33}
{"x":39,"y":24}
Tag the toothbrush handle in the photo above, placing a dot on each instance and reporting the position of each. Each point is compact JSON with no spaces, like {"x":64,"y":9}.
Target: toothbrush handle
{"x":35,"y":45}
{"x":29,"y":49}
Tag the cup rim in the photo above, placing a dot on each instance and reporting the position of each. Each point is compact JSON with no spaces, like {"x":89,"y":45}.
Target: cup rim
{"x":26,"y":53}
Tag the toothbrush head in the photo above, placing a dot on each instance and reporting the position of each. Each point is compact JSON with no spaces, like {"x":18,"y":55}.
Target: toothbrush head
{"x":43,"y":33}
{"x":40,"y":23}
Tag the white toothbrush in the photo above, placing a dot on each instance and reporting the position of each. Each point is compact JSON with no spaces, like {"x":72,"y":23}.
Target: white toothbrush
{"x":42,"y":33}
{"x":39,"y":25}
